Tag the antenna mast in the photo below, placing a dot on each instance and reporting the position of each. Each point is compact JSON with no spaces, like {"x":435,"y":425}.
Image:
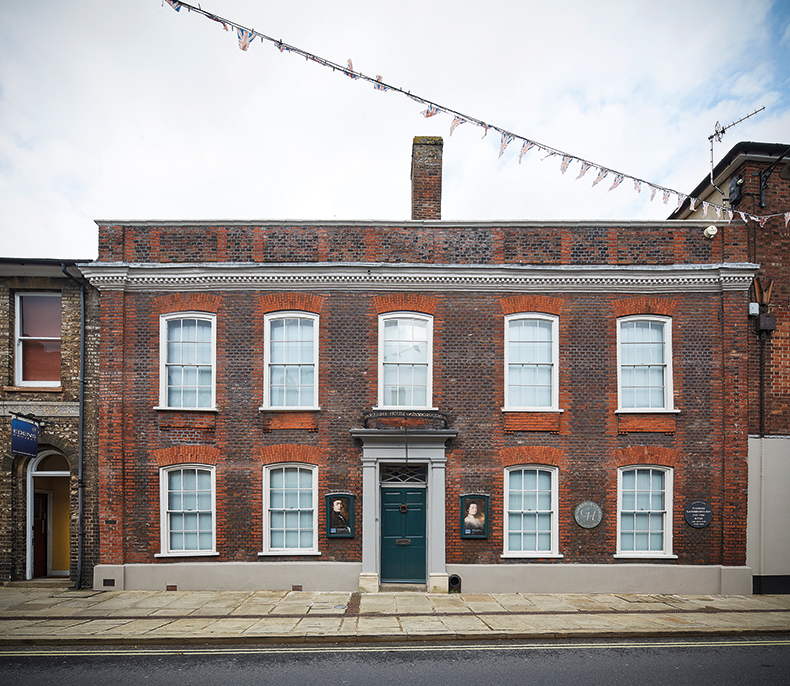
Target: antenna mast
{"x":717,"y":135}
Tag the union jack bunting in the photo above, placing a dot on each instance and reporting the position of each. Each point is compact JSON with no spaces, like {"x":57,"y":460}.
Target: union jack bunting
{"x":730,"y":214}
{"x":692,"y":203}
{"x":704,"y":209}
{"x":743,"y":216}
{"x":617,"y":181}
{"x":681,"y":198}
{"x":457,"y":121}
{"x":583,"y":170}
{"x":666,"y":197}
{"x":718,"y":211}
{"x":653,"y":190}
{"x":431,"y":111}
{"x":551,"y":154}
{"x":380,"y":86}
{"x":787,"y":218}
{"x":637,"y":186}
{"x":350,"y":69}
{"x":507,"y":139}
{"x":281,"y":47}
{"x":486,"y":127}
{"x":245,"y":38}
{"x":528,"y":145}
{"x":174,"y":4}
{"x":762,"y":221}
{"x":566,"y":160}
{"x":602,"y":174}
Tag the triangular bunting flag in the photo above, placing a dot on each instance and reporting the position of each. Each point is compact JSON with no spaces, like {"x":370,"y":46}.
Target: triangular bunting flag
{"x":566,"y":160}
{"x":617,"y":181}
{"x":787,"y":218}
{"x":692,"y":204}
{"x":456,"y":122}
{"x":762,"y":221}
{"x":379,"y":86}
{"x":528,"y":145}
{"x":507,"y":139}
{"x":743,"y":216}
{"x":174,"y":4}
{"x":637,"y":186}
{"x":718,"y":211}
{"x":666,"y":196}
{"x":486,"y":127}
{"x":430,"y":112}
{"x":653,"y":190}
{"x":245,"y":38}
{"x":704,"y":209}
{"x":350,"y":73}
{"x":583,"y":170}
{"x":602,"y":174}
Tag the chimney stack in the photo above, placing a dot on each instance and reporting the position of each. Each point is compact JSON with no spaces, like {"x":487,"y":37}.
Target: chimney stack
{"x":426,"y":177}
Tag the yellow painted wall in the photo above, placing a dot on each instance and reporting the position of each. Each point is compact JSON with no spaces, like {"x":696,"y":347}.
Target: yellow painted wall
{"x":59,"y":486}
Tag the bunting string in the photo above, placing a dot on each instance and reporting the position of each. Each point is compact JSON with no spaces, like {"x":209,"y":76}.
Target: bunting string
{"x":247,"y":36}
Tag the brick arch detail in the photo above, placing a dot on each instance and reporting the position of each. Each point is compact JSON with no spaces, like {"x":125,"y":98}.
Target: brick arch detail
{"x":405,"y":302}
{"x":532,"y":454}
{"x":646,"y":454}
{"x":289,"y":452}
{"x":186,"y":454}
{"x":301,"y":302}
{"x":532,"y":303}
{"x":645,"y":305}
{"x":188,"y":302}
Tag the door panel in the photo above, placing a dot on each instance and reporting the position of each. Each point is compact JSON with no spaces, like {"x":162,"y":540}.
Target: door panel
{"x":403,"y":545}
{"x":40,"y":533}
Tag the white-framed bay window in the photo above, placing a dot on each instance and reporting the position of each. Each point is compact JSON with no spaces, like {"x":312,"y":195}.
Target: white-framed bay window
{"x":187,"y":353}
{"x":644,"y":511}
{"x":290,"y":509}
{"x":531,"y":502}
{"x":38,"y":330}
{"x":188,"y":510}
{"x":644,"y":364}
{"x":405,"y":360}
{"x":531,"y":362}
{"x":291,"y":361}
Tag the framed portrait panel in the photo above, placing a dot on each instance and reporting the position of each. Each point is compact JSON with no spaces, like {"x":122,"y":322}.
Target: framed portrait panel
{"x":474,"y":516}
{"x":339,"y":515}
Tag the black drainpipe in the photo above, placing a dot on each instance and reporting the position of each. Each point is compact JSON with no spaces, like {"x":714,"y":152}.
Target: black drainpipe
{"x":80,"y":485}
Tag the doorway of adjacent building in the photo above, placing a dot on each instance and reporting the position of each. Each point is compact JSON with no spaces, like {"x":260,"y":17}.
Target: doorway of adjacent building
{"x":48,"y":546}
{"x":403,"y":540}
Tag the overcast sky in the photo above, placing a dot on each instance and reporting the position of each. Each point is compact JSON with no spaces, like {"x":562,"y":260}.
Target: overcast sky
{"x":126,"y":109}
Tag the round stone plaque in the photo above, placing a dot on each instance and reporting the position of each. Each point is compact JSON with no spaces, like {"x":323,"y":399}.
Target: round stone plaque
{"x":588,"y":514}
{"x":698,"y":514}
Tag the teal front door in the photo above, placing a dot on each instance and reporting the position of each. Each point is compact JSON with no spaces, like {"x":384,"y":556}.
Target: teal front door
{"x":403,"y":535}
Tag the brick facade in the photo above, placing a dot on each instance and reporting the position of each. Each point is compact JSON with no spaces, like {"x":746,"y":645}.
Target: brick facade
{"x":57,"y":406}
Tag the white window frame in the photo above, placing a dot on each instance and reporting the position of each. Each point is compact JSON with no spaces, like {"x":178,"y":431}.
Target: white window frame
{"x":383,"y":319}
{"x":267,"y":548}
{"x":666,"y":513}
{"x":165,"y":512}
{"x":555,"y":348}
{"x":668,"y":373}
{"x":163,"y":361}
{"x":18,"y":357}
{"x":553,"y":551}
{"x":267,"y":362}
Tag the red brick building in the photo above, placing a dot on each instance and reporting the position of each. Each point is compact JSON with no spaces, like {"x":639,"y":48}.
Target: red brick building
{"x":755,"y":178}
{"x":523,"y":406}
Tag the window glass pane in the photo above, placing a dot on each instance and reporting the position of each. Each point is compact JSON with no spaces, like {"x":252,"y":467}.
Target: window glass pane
{"x":278,"y":538}
{"x":514,"y":542}
{"x":291,"y":538}
{"x":515,"y":479}
{"x":40,"y":360}
{"x":40,"y":316}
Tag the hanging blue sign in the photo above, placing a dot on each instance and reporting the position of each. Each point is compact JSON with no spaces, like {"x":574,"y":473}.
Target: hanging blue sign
{"x":24,"y":437}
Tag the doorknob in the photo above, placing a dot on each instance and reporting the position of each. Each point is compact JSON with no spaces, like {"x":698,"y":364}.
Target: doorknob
{"x":404,"y":508}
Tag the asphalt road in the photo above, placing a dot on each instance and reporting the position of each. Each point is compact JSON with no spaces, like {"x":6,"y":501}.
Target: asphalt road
{"x":696,"y":662}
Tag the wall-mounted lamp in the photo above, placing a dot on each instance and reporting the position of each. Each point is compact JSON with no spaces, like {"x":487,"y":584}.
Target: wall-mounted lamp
{"x":710,"y":232}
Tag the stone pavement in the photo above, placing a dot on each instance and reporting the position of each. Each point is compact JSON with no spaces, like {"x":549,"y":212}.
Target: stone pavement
{"x":50,"y":616}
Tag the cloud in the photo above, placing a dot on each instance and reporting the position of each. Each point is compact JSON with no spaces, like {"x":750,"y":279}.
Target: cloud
{"x":134,"y":111}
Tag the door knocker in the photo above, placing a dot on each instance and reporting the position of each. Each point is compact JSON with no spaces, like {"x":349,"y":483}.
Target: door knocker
{"x":404,"y":508}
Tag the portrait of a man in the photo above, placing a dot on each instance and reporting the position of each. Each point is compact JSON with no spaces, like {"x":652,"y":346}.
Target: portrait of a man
{"x":339,"y":515}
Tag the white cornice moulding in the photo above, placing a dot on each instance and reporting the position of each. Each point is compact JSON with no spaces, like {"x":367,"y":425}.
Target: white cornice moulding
{"x":334,"y":276}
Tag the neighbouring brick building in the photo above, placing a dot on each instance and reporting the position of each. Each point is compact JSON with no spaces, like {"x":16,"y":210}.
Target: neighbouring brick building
{"x":523,"y":406}
{"x":48,"y":490}
{"x":755,"y":177}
